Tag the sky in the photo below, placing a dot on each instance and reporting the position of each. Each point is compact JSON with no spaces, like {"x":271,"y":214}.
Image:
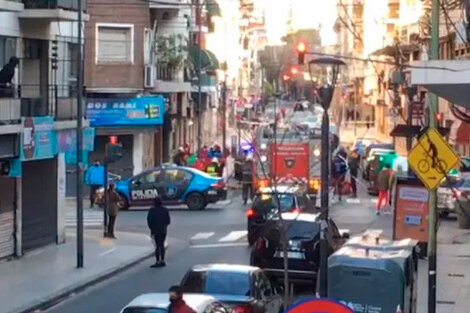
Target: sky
{"x":306,"y":14}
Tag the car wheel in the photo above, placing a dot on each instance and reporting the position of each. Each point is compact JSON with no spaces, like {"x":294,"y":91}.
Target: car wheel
{"x":196,"y":201}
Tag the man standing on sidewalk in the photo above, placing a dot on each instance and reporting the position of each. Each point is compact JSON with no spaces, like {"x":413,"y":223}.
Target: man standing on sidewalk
{"x":95,"y":179}
{"x":353,"y":162}
{"x":158,"y":220}
{"x":114,"y":204}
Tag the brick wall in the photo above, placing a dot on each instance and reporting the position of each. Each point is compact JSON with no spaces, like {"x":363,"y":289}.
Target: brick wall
{"x":134,"y":12}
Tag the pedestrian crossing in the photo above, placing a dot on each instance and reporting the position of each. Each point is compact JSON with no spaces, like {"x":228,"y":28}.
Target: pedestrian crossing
{"x":220,"y":239}
{"x":91,"y":218}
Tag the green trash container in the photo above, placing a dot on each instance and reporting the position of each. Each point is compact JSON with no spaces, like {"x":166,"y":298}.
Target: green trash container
{"x":370,"y":280}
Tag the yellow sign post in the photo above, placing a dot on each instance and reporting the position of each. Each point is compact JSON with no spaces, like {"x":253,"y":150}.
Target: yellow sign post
{"x":432,"y":158}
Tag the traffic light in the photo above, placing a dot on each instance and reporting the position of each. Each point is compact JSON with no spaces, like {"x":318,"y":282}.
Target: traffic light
{"x":301,"y":48}
{"x":285,"y":77}
{"x":294,"y":70}
{"x":113,"y":150}
{"x":55,"y":55}
{"x":439,"y":118}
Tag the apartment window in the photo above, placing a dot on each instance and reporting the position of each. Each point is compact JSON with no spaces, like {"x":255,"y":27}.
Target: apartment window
{"x":7,"y":49}
{"x":115,"y":43}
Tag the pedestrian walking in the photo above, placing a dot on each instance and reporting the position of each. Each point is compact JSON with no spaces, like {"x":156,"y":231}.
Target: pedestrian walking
{"x":338,"y":171}
{"x":353,"y":163}
{"x":177,"y":304}
{"x":158,"y":220}
{"x":114,"y":204}
{"x":384,"y":184}
{"x":94,"y":178}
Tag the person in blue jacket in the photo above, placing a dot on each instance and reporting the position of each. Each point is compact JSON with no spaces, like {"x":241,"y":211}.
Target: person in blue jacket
{"x":95,"y":179}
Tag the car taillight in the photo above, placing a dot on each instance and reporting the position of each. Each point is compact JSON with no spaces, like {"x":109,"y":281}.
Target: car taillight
{"x":250,"y":213}
{"x":314,"y":184}
{"x":456,"y":193}
{"x":245,"y":308}
{"x":296,"y":210}
{"x":218,"y":185}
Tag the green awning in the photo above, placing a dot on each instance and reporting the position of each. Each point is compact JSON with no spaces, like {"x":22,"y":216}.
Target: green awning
{"x":213,"y":8}
{"x":208,"y":59}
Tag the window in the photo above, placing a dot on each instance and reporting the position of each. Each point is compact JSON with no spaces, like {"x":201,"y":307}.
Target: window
{"x":176,"y":176}
{"x":114,"y":43}
{"x":227,"y":283}
{"x":7,"y":49}
{"x":148,"y":178}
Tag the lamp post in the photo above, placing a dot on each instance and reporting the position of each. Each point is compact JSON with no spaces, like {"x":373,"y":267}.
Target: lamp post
{"x":326,"y":95}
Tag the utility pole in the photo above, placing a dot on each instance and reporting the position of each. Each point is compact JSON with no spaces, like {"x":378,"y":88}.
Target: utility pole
{"x":224,"y":116}
{"x":79,"y":141}
{"x":199,"y":75}
{"x":432,"y":242}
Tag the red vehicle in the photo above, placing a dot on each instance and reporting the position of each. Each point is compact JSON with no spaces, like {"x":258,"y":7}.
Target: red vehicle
{"x":292,"y":159}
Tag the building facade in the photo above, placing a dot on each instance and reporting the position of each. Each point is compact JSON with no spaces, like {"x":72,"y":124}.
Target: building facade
{"x":38,"y":48}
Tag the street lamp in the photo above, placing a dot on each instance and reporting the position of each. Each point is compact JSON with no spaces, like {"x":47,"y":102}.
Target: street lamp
{"x":326,"y":95}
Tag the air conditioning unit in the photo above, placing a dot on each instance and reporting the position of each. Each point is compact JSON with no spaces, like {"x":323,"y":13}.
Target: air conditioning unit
{"x":150,"y":76}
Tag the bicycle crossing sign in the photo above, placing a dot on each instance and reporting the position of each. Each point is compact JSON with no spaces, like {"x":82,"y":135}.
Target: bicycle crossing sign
{"x":432,"y":158}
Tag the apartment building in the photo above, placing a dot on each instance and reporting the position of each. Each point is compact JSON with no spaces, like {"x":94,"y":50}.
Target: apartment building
{"x":38,"y":48}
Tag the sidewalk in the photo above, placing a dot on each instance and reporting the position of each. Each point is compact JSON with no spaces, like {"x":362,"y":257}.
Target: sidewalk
{"x":453,"y":254}
{"x":43,"y":276}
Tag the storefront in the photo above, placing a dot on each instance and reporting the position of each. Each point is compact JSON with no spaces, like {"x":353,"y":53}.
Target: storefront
{"x":8,"y":151}
{"x":136,"y":122}
{"x":38,"y":155}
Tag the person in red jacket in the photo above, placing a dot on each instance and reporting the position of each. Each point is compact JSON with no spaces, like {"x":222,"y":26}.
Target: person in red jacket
{"x":177,"y":304}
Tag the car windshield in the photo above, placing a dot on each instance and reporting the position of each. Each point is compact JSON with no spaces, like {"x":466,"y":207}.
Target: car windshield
{"x":302,"y":229}
{"x":268,"y":202}
{"x":144,"y":310}
{"x":227,"y":283}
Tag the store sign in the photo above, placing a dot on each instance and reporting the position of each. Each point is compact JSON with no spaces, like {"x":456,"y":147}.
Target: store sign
{"x":38,"y":139}
{"x":417,"y":109}
{"x":125,"y":111}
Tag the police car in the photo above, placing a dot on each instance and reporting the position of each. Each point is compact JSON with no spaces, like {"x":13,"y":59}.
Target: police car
{"x":174,"y":185}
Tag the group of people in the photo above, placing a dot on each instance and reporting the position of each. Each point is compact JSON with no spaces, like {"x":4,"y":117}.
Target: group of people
{"x":343,"y":162}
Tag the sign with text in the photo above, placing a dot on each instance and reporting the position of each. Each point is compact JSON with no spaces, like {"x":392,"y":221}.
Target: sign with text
{"x":318,"y":305}
{"x":142,"y":111}
{"x":38,"y":139}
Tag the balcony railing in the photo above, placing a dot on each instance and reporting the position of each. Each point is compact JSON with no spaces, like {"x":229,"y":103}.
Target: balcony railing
{"x":164,"y":72}
{"x":53,"y":4}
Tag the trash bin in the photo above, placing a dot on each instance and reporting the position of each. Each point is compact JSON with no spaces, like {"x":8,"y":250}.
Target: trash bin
{"x":462,"y":209}
{"x":370,"y":280}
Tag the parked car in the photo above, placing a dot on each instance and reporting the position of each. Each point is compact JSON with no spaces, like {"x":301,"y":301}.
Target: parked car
{"x":174,"y":185}
{"x":265,"y":205}
{"x":303,"y":235}
{"x":246,"y":289}
{"x":159,"y":302}
{"x":451,"y":193}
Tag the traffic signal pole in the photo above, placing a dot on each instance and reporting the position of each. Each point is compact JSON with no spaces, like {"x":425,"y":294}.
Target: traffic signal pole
{"x":432,"y":240}
{"x":199,"y":76}
{"x":79,"y":131}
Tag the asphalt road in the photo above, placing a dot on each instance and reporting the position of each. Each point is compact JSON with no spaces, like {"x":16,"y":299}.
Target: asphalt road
{"x":216,"y":235}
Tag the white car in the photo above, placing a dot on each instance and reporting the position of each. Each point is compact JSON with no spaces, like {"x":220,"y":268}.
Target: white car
{"x":159,"y":302}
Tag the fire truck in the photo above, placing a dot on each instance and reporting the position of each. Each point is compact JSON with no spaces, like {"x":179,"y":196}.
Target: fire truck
{"x":292,"y":158}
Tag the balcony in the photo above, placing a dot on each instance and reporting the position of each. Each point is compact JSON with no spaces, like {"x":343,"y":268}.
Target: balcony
{"x":10,"y":112}
{"x":166,"y":80}
{"x":52,"y":10}
{"x":11,"y":6}
{"x":168,"y":4}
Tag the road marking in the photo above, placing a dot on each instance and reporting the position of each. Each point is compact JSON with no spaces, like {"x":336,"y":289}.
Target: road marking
{"x":233,"y":236}
{"x":200,"y":236}
{"x":107,"y":252}
{"x":221,"y":245}
{"x":353,"y":200}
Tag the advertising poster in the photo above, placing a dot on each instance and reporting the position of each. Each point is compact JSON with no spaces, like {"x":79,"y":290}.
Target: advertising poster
{"x":412,"y":209}
{"x":38,"y":139}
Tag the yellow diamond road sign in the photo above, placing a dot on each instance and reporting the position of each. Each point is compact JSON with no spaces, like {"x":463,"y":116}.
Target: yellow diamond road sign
{"x":432,"y":158}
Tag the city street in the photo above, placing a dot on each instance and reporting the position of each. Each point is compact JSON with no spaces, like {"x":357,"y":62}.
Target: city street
{"x":216,"y":235}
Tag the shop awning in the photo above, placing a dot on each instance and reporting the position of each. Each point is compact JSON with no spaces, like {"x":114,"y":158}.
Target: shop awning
{"x":459,"y":133}
{"x":209,"y":61}
{"x":213,"y":8}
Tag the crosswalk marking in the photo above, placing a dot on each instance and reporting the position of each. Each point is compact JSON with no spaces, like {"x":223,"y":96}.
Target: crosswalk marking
{"x":92,"y":218}
{"x":200,"y":236}
{"x":233,"y":236}
{"x":353,"y":200}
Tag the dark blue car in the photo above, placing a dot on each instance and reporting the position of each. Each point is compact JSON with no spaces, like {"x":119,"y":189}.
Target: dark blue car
{"x":175,"y":185}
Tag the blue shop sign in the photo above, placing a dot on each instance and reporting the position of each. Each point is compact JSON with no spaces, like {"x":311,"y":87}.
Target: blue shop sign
{"x":125,"y":111}
{"x":38,"y":138}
